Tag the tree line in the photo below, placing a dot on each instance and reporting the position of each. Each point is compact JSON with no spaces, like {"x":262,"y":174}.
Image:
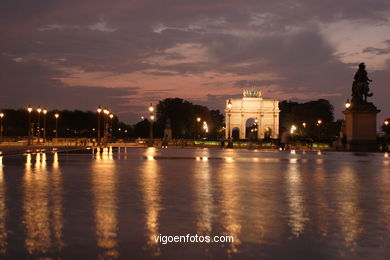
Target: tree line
{"x":182,"y":115}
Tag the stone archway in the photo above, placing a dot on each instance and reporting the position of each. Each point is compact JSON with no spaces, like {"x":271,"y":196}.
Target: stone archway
{"x":252,"y":106}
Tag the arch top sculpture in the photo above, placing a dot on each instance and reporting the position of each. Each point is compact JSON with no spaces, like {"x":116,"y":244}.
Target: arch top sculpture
{"x":252,"y":105}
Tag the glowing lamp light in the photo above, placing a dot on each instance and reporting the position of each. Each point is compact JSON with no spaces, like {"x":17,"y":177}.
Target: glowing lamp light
{"x":57,"y":115}
{"x":292,"y":129}
{"x":99,"y":109}
{"x":29,"y":108}
{"x":151,"y":108}
{"x":198,"y":119}
{"x":39,"y":110}
{"x":347,"y":104}
{"x":386,"y":122}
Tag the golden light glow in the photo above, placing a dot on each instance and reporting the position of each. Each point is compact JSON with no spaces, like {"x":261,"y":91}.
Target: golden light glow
{"x":111,"y":116}
{"x":36,"y":217}
{"x":386,"y":123}
{"x":45,"y":111}
{"x":150,"y":183}
{"x":99,"y":109}
{"x":347,"y":104}
{"x":204,"y":197}
{"x":39,"y":110}
{"x":57,"y":115}
{"x":319,"y":122}
{"x":230,"y":205}
{"x":1,"y":115}
{"x":297,"y":210}
{"x":29,"y":109}
{"x":104,"y":188}
{"x":198,"y":119}
{"x":151,"y":108}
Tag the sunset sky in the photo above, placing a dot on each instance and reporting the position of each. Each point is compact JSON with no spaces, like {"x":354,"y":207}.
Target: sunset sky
{"x":126,"y":54}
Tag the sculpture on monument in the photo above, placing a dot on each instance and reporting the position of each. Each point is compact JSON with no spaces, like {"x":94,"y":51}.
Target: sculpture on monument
{"x":360,"y":115}
{"x":360,"y":86}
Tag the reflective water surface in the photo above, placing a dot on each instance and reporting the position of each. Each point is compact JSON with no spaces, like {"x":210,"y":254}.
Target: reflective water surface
{"x":276,"y":205}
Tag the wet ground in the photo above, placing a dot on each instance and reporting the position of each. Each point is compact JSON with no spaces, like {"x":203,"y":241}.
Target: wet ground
{"x":276,"y":205}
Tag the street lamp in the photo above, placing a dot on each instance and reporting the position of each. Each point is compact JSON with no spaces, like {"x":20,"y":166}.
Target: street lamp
{"x":44,"y":124}
{"x":205,"y":127}
{"x":106,"y":112}
{"x":39,"y":110}
{"x":198,"y":127}
{"x":110,"y":127}
{"x":1,"y":126}
{"x":347,"y":104}
{"x":57,"y":116}
{"x":319,"y":122}
{"x":292,"y":129}
{"x":29,"y":109}
{"x":99,"y":110}
{"x":229,"y":108}
{"x":151,"y":110}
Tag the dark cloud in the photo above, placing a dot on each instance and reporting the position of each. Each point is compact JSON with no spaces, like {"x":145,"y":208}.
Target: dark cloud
{"x":274,"y":45}
{"x":25,"y":83}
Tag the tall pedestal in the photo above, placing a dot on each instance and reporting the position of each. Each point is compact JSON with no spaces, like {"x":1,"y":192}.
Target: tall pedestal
{"x":360,"y":127}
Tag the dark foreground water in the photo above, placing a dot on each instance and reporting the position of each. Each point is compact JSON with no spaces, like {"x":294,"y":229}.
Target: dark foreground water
{"x":276,"y":205}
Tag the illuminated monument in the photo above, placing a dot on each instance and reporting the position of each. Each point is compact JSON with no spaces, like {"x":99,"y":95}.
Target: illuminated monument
{"x":360,"y":115}
{"x":264,"y":112}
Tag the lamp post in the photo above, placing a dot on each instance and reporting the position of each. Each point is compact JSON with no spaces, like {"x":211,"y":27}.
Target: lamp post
{"x":304,"y":129}
{"x":1,"y":126}
{"x":110,"y":126}
{"x":39,"y":110}
{"x":29,"y":109}
{"x":57,"y":116}
{"x":99,"y":110}
{"x":229,"y":108}
{"x":151,"y":115}
{"x":44,"y":124}
{"x":319,"y":122}
{"x":105,"y":121}
{"x":197,"y":127}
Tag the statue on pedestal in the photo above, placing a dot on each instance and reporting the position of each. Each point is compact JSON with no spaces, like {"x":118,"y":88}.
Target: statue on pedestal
{"x":360,"y":116}
{"x":360,"y":86}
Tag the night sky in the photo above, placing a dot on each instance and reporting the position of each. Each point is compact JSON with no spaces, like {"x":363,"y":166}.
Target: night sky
{"x":126,"y":54}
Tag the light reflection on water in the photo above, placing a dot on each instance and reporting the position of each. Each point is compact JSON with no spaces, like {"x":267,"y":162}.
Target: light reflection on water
{"x":349,"y":213}
{"x":3,"y":211}
{"x":297,"y":208}
{"x":229,"y":218}
{"x":274,"y":204}
{"x":150,"y":182}
{"x":204,"y":197}
{"x":104,"y":188}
